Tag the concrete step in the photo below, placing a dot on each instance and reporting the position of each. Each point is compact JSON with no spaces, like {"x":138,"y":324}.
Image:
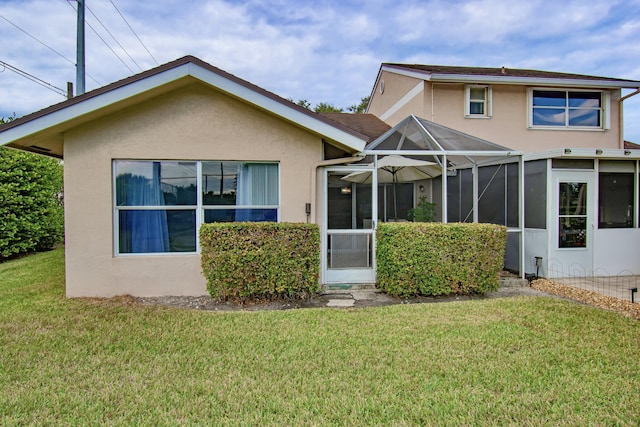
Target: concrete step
{"x":513,"y":282}
{"x":348,"y":287}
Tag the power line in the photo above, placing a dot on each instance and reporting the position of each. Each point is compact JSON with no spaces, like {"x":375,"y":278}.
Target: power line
{"x":133,"y":31}
{"x":42,"y":43}
{"x":47,"y":46}
{"x":105,"y":43}
{"x":34,"y":79}
{"x":113,"y":37}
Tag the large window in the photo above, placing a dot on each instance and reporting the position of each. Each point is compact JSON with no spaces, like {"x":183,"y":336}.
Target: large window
{"x":159,"y":205}
{"x":567,"y":109}
{"x":477,"y":101}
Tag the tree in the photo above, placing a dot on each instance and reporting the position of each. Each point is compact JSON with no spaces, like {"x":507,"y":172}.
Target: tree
{"x":31,"y":210}
{"x":325,"y":107}
{"x":362,"y":107}
{"x":301,"y":102}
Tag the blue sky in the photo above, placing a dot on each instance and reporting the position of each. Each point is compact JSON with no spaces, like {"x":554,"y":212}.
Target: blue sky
{"x":323,"y":51}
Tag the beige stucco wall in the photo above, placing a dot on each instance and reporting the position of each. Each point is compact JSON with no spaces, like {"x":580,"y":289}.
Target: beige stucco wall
{"x":395,"y":87}
{"x":195,"y":123}
{"x":508,"y":123}
{"x":444,"y":103}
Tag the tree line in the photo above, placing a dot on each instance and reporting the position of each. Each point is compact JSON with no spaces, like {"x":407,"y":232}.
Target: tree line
{"x":326,"y":107}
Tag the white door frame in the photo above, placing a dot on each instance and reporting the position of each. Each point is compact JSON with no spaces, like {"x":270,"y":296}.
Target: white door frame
{"x":348,"y":275}
{"x":572,"y":261}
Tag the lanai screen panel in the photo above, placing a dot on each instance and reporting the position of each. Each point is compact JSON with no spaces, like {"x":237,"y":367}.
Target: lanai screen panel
{"x":460,"y":196}
{"x":535,"y":199}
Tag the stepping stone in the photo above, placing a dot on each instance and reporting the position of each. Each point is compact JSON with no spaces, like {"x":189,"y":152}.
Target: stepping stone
{"x":341,"y":302}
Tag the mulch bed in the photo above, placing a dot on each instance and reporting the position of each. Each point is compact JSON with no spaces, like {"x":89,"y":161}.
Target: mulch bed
{"x":626,"y":308}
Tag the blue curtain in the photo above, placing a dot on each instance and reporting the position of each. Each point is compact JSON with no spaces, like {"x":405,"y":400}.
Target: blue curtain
{"x":142,"y":231}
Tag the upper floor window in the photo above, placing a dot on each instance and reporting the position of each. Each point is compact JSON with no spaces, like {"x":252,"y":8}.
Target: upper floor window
{"x":477,"y":101}
{"x":567,"y":109}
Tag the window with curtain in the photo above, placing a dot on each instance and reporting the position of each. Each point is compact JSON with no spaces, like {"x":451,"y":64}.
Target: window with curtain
{"x":477,"y":101}
{"x":240,"y":191}
{"x":157,"y":208}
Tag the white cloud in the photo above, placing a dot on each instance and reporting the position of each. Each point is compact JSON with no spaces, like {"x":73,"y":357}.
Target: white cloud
{"x":326,"y":51}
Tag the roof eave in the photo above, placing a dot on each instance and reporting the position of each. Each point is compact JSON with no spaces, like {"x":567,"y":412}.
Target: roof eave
{"x":531,"y":81}
{"x":406,"y":72}
{"x":513,"y":80}
{"x":89,"y":105}
{"x":184,"y":68}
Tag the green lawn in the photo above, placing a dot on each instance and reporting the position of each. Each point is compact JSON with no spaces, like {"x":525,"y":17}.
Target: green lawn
{"x":520,"y":361}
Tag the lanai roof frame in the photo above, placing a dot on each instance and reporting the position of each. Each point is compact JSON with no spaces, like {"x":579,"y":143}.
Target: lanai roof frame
{"x":442,"y":144}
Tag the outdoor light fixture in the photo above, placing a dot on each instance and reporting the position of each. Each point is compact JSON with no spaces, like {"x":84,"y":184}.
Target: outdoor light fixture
{"x":345,"y":190}
{"x":598,"y":151}
{"x":538,"y":265}
{"x":567,"y":151}
{"x":421,"y":188}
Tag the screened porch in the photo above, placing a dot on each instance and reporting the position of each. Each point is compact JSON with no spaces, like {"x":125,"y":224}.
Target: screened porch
{"x":468,"y":179}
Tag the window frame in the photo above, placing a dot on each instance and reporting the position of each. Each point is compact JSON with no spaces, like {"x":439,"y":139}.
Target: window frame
{"x":604,"y":109}
{"x":200,"y":207}
{"x":488,"y":108}
{"x":623,"y":169}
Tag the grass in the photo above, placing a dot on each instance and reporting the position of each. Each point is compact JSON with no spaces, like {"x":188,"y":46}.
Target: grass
{"x":518,"y":361}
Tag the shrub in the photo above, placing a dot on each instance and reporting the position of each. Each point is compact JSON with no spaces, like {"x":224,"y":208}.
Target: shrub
{"x":439,"y":259}
{"x":425,"y":211}
{"x":31,"y":211}
{"x":260,"y":260}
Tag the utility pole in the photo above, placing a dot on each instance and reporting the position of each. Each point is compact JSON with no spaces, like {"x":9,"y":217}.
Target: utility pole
{"x":80,"y":69}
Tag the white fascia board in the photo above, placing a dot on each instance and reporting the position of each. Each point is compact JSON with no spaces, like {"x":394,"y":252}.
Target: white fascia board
{"x":556,"y":82}
{"x":92,"y":104}
{"x":584,"y":153}
{"x":422,"y":75}
{"x":154,"y":81}
{"x":484,"y":79}
{"x":277,"y":108}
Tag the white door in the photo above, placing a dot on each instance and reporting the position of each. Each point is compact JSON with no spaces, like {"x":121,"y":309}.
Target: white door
{"x":348,"y":242}
{"x":572,"y":227}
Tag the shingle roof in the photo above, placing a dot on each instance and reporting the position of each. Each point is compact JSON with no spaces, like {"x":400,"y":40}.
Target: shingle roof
{"x":167,"y":67}
{"x":365,"y":124}
{"x":631,"y":145}
{"x":499,"y":72}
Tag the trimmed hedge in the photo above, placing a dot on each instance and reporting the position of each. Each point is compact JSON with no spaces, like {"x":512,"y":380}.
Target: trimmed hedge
{"x":31,"y":208}
{"x":439,"y":259}
{"x":260,"y":260}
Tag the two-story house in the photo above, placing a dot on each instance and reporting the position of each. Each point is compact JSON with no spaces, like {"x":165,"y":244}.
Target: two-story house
{"x":150,"y":158}
{"x":579,"y":184}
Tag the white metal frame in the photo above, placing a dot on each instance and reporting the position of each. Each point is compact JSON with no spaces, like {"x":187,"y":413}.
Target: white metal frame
{"x":572,"y":256}
{"x":349,"y":275}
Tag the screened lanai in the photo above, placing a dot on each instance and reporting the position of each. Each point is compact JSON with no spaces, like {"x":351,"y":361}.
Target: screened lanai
{"x":482,"y":183}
